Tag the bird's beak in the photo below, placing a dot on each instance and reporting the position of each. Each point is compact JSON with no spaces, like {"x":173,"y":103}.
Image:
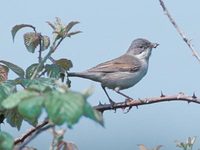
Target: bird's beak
{"x":154,"y":45}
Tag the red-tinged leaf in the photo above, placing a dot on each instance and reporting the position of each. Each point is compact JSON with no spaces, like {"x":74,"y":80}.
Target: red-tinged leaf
{"x":16,"y":28}
{"x":18,"y":70}
{"x":45,"y":42}
{"x":31,"y":41}
{"x":3,"y":73}
{"x":64,"y":63}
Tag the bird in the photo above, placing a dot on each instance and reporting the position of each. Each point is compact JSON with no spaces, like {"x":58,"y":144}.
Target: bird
{"x":122,"y":72}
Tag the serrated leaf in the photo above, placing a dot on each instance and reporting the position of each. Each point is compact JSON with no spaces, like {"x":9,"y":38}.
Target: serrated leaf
{"x":45,"y":42}
{"x":6,"y":88}
{"x":64,"y":107}
{"x":31,"y":69}
{"x":39,"y":84}
{"x":3,"y":73}
{"x":70,"y":25}
{"x":64,"y":63}
{"x":6,"y":141}
{"x":14,"y":118}
{"x":31,"y":41}
{"x":14,"y":99}
{"x":31,"y":109}
{"x":16,"y":28}
{"x":18,"y":70}
{"x":93,"y":114}
{"x":53,"y":71}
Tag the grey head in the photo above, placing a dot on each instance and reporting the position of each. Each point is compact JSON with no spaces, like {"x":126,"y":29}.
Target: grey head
{"x":141,"y":48}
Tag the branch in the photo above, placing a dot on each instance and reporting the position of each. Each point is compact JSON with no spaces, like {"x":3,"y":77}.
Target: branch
{"x":129,"y":103}
{"x":184,"y":37}
{"x":146,"y":101}
{"x":30,"y":132}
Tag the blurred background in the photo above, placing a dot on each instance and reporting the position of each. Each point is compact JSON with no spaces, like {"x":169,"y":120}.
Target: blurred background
{"x":108,"y":29}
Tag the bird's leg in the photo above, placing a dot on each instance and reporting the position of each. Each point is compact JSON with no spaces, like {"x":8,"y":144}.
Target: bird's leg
{"x":110,"y":100}
{"x":117,"y":91}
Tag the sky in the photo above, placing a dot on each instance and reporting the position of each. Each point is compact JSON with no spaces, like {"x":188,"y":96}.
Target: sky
{"x":108,"y":28}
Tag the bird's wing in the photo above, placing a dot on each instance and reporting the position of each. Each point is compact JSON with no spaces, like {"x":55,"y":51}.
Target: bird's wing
{"x":118,"y":64}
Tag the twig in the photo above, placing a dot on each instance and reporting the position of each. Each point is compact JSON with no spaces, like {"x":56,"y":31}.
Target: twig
{"x":31,"y":131}
{"x":146,"y":101}
{"x":184,"y":37}
{"x":34,"y":135}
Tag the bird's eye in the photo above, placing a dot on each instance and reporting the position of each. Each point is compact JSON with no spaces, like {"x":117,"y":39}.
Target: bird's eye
{"x":140,"y":46}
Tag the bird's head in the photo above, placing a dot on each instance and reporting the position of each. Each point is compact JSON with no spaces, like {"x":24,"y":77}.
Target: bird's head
{"x":141,"y":48}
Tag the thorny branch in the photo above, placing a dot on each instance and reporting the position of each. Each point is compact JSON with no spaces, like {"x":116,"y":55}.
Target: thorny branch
{"x":30,"y":132}
{"x":181,"y":33}
{"x":129,"y":103}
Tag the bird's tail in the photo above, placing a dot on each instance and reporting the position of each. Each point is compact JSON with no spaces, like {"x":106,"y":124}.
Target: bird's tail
{"x":85,"y":75}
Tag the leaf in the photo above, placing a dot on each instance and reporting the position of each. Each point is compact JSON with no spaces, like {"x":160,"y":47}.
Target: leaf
{"x":158,"y":147}
{"x":73,"y":33}
{"x":39,"y":84}
{"x":31,"y":69}
{"x":70,"y":25}
{"x":64,"y":107}
{"x":6,"y":141}
{"x":3,"y":73}
{"x":45,"y":42}
{"x":19,"y":71}
{"x":142,"y":147}
{"x":14,"y":118}
{"x":14,"y":99}
{"x":31,"y":41}
{"x":53,"y":71}
{"x":64,"y":63}
{"x":16,"y":28}
{"x":70,"y":146}
{"x":6,"y":88}
{"x":93,"y":114}
{"x":31,"y":109}
{"x":51,"y":25}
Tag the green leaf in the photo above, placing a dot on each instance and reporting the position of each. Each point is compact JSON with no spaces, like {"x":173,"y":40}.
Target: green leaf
{"x":30,"y":70}
{"x":14,"y":118}
{"x":45,"y":42}
{"x":31,"y":41}
{"x":39,"y":84}
{"x":64,"y":63}
{"x":19,"y":71}
{"x":6,"y":88}
{"x":16,"y":28}
{"x":64,"y":107}
{"x":6,"y":141}
{"x":93,"y":114}
{"x":53,"y":71}
{"x":14,"y":99}
{"x":31,"y":109}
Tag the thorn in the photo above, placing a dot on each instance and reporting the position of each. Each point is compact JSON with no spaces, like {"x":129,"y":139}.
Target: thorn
{"x":136,"y":106}
{"x":161,"y":94}
{"x":115,"y":110}
{"x":194,"y":95}
{"x":129,"y":108}
{"x":100,"y":104}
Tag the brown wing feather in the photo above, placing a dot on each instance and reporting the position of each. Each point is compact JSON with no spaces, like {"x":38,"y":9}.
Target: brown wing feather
{"x":118,"y":64}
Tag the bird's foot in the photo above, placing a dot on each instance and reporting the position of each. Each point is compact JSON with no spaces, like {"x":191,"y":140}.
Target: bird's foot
{"x":112,"y":103}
